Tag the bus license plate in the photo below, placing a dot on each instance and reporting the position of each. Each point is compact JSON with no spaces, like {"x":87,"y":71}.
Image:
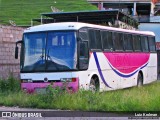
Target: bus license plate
{"x":40,"y":90}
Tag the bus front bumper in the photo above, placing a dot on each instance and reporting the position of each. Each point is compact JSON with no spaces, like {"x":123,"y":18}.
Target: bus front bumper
{"x":41,"y":87}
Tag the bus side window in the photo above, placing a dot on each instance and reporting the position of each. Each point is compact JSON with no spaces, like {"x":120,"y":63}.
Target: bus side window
{"x":92,"y":40}
{"x":151,"y":42}
{"x":107,"y":40}
{"x":95,"y":39}
{"x":98,"y":39}
{"x":118,"y":41}
{"x":144,"y":43}
{"x":128,"y":42}
{"x":83,"y":34}
{"x":136,"y":43}
{"x":83,"y":55}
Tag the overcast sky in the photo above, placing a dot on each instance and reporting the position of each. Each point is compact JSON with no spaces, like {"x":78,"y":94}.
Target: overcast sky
{"x":154,"y":27}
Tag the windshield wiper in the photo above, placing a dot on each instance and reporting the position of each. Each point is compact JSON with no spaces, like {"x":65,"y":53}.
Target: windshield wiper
{"x":42,"y":56}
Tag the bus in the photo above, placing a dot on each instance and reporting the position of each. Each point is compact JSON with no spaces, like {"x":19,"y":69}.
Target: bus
{"x":85,"y":56}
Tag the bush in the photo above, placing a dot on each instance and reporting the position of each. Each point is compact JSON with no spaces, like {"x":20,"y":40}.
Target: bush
{"x":51,"y":94}
{"x":11,"y":84}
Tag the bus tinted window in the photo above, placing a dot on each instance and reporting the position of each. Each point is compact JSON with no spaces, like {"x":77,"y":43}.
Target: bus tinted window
{"x":128,"y":42}
{"x":83,"y":34}
{"x":98,"y":39}
{"x":136,"y":43}
{"x":83,"y":55}
{"x":107,"y":40}
{"x":144,"y":43}
{"x":95,"y":39}
{"x":118,"y":41}
{"x":92,"y":41}
{"x":151,"y":41}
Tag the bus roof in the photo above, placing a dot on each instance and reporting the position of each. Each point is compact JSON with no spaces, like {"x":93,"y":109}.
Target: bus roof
{"x":77,"y":26}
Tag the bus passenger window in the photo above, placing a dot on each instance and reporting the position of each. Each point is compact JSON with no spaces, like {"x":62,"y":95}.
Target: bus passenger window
{"x":144,"y":43}
{"x":92,"y":40}
{"x":98,"y":39}
{"x":136,"y":43}
{"x":128,"y":42}
{"x":83,"y":34}
{"x":152,"y":46}
{"x":107,"y":40}
{"x":95,"y":39}
{"x":118,"y":41}
{"x":83,"y":55}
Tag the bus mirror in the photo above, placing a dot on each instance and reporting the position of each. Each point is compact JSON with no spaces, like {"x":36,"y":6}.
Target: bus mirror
{"x":16,"y":52}
{"x":16,"y":49}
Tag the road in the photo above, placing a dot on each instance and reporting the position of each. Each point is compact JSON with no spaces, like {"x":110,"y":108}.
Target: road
{"x":51,"y":114}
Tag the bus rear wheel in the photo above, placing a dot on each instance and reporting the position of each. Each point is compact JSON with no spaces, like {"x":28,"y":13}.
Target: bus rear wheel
{"x":94,"y":84}
{"x":139,"y":80}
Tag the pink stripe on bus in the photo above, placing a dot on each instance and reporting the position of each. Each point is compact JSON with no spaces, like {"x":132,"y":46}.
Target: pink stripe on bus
{"x":127,"y":62}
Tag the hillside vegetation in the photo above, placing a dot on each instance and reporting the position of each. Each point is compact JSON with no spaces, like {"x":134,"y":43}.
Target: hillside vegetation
{"x":22,"y":11}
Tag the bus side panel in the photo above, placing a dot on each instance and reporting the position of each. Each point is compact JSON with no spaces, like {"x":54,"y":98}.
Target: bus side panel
{"x":151,"y":69}
{"x":127,"y":66}
{"x":133,"y":64}
{"x":119,"y":70}
{"x":99,"y":66}
{"x":111,"y":78}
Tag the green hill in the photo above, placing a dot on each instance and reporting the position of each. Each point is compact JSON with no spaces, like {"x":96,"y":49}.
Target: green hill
{"x":22,"y":11}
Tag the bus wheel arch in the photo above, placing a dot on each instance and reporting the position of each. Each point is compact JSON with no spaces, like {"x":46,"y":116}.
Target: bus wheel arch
{"x":94,"y":84}
{"x":140,"y":79}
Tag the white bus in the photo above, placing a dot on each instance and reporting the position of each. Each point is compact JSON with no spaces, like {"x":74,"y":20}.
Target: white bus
{"x":86,"y":56}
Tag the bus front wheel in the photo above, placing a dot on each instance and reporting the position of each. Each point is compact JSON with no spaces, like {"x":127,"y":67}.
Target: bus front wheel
{"x":139,"y":80}
{"x":94,"y":84}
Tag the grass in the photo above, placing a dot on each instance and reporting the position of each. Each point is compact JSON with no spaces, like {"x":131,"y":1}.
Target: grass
{"x":22,"y":11}
{"x":146,"y":98}
{"x":9,"y":85}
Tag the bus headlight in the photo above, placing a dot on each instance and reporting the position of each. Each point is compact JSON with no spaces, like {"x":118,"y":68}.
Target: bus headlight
{"x":30,"y":80}
{"x":26,"y":80}
{"x":68,"y":79}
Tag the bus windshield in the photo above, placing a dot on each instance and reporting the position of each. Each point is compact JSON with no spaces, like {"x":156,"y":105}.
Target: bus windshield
{"x":49,"y":51}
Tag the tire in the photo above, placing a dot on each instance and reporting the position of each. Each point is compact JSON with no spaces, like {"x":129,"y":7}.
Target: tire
{"x":139,"y":80}
{"x":94,"y":84}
